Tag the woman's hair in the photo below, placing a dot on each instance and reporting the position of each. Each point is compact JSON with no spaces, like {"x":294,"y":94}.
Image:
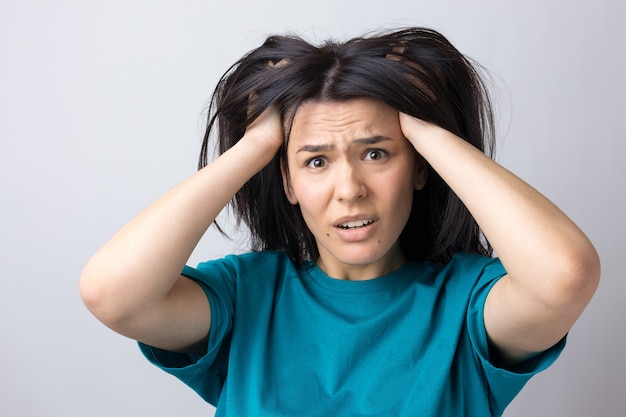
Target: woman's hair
{"x":416,"y":71}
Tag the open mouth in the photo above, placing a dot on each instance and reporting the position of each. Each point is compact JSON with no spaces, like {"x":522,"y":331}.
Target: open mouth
{"x":355,"y":224}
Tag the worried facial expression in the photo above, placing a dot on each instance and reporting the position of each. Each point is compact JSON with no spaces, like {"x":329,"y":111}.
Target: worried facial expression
{"x":352,"y":173}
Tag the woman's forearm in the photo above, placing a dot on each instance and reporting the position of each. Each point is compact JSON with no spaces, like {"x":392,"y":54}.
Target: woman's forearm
{"x":552,"y":268}
{"x":533,"y":238}
{"x":141,"y":263}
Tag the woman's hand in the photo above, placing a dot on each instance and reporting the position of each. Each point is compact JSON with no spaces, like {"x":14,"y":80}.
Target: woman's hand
{"x":266,"y":130}
{"x":412,"y":126}
{"x":415,"y":129}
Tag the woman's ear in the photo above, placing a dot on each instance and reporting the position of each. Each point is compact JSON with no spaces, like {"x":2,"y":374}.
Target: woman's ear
{"x":420,"y":176}
{"x":287,"y":183}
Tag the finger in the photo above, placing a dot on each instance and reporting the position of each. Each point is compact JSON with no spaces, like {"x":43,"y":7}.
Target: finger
{"x":278,"y":64}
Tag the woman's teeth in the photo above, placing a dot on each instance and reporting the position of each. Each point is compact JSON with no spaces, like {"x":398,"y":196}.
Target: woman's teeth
{"x":357,"y":223}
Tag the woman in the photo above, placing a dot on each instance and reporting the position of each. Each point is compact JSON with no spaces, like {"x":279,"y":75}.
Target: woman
{"x":360,"y":170}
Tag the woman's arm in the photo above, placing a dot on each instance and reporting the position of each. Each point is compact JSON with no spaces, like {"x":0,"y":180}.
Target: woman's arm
{"x":133,"y":283}
{"x":552,"y":268}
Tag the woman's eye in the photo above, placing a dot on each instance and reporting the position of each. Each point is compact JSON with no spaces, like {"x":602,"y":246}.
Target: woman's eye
{"x":316,"y":163}
{"x":375,"y":154}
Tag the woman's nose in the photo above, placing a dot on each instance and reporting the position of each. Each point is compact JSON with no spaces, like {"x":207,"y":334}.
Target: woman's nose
{"x":349,"y":183}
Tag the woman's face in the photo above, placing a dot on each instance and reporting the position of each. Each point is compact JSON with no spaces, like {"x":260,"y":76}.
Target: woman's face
{"x":352,"y":172}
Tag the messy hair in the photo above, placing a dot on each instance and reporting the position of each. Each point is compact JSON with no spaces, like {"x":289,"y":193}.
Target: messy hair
{"x":416,"y":71}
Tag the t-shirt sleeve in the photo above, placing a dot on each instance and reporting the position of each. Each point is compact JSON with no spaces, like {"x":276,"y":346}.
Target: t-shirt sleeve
{"x":206,"y":373}
{"x":504,"y":384}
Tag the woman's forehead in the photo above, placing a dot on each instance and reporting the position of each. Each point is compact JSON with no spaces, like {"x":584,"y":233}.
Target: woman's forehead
{"x":317,"y":120}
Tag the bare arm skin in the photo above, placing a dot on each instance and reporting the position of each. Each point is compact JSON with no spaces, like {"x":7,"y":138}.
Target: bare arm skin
{"x":133,"y":283}
{"x":552,"y":268}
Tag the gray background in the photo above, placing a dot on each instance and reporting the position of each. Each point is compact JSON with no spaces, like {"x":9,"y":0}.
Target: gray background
{"x":101,"y":107}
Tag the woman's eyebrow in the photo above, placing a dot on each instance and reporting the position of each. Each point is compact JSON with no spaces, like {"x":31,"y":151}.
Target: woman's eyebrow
{"x":330,"y":146}
{"x":316,"y":148}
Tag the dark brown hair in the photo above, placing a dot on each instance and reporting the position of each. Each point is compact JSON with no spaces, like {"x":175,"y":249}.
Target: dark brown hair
{"x":416,"y":71}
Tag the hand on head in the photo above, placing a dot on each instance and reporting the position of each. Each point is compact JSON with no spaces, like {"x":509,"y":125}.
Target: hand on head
{"x":267,"y":129}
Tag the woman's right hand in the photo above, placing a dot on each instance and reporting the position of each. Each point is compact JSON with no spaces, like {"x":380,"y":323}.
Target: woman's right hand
{"x":266,"y":130}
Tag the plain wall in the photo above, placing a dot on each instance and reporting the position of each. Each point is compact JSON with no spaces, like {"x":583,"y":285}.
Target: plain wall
{"x":101,"y":111}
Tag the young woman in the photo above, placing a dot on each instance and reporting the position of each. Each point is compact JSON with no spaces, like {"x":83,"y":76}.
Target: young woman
{"x":359,"y":168}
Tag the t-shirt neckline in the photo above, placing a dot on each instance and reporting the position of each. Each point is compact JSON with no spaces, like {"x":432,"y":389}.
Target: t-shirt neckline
{"x":384,"y":282}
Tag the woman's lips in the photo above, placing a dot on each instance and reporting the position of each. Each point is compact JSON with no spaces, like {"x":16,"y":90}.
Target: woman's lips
{"x":355,"y":230}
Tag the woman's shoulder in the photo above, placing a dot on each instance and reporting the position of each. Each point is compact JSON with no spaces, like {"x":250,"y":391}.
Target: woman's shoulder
{"x":463,"y":269}
{"x":473,"y":269}
{"x":261,"y":259}
{"x":249,"y":263}
{"x":471,"y":261}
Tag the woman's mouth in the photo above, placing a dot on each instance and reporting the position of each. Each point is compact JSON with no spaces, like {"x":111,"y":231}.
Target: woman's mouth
{"x":355,"y":230}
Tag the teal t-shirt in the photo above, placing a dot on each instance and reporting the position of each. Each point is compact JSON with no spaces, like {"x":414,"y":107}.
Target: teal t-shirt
{"x":288,"y":341}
